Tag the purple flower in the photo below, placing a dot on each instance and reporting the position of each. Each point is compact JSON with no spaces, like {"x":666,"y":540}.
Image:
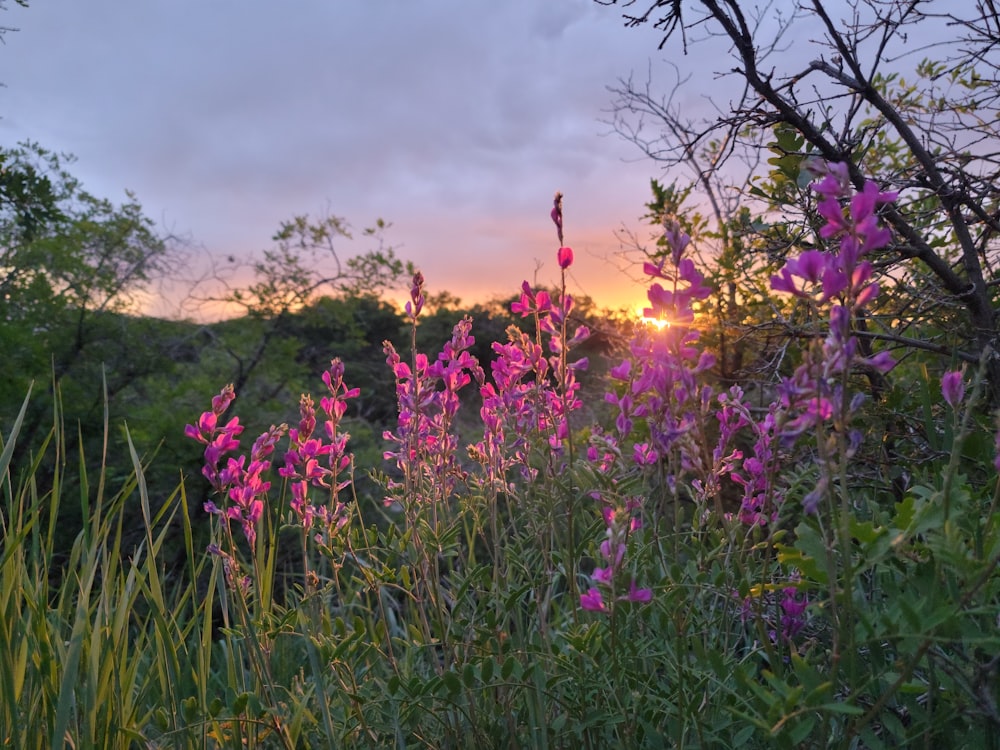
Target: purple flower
{"x":793,"y":608}
{"x":640,"y":596}
{"x":593,"y":601}
{"x":953,"y":388}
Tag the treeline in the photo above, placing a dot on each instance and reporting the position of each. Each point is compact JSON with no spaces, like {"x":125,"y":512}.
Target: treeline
{"x":72,"y":266}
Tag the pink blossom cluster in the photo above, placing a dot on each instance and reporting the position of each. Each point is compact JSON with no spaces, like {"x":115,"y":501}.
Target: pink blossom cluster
{"x":244,"y":485}
{"x":310,"y":461}
{"x":815,"y":395}
{"x":427,"y":394}
{"x":320,"y":461}
{"x":533,"y":392}
{"x":620,"y":523}
{"x":660,"y":378}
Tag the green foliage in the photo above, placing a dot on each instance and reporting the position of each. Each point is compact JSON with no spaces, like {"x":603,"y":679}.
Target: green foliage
{"x":95,"y":643}
{"x":460,"y":624}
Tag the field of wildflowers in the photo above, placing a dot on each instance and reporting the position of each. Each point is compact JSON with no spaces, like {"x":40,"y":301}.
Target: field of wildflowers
{"x":705,"y":569}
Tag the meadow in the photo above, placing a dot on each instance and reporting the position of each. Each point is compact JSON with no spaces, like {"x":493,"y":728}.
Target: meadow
{"x":811,"y":562}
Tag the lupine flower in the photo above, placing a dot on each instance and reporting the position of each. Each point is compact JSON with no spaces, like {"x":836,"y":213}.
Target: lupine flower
{"x":953,"y":388}
{"x":416,"y":303}
{"x":243,"y":485}
{"x":621,"y":523}
{"x":218,"y":441}
{"x":426,"y":450}
{"x":532,"y":303}
{"x":835,"y":178}
{"x":532,"y":395}
{"x":638,"y":595}
{"x":312,"y":463}
{"x":793,"y":608}
{"x":659,"y":384}
{"x":814,"y":394}
{"x":644,"y":455}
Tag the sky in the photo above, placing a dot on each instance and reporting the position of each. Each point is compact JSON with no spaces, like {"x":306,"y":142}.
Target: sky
{"x":455,"y":121}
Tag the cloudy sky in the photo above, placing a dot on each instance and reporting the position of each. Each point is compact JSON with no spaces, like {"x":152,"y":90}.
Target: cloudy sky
{"x":454,"y":121}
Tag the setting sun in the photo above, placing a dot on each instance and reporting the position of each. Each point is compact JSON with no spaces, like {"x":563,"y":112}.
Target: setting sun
{"x":659,"y":323}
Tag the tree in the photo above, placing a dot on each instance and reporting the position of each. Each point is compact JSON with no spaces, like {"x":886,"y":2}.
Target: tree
{"x":71,"y":267}
{"x":851,"y":96}
{"x":3,"y":6}
{"x":302,"y":267}
{"x":305,"y":263}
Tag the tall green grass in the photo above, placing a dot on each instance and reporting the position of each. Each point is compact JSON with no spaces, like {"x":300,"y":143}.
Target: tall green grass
{"x":114,"y":644}
{"x":98,"y":649}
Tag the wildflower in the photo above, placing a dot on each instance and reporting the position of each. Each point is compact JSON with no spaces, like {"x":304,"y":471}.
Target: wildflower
{"x":593,"y":600}
{"x":309,"y":462}
{"x":644,"y":455}
{"x":532,"y":303}
{"x":565,"y":257}
{"x":637,"y":595}
{"x":621,"y":522}
{"x":793,"y":607}
{"x":953,"y":388}
{"x":218,"y":441}
{"x":416,"y":303}
{"x":426,"y":449}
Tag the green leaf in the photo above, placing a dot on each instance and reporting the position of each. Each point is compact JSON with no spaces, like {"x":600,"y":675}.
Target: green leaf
{"x":469,"y":675}
{"x":486,"y":670}
{"x":839,"y":707}
{"x":511,"y":667}
{"x":452,"y":683}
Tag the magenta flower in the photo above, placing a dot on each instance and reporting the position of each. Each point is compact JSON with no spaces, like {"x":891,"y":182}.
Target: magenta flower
{"x":835,"y":179}
{"x":644,"y":455}
{"x":218,"y":441}
{"x":793,"y":608}
{"x":532,"y":303}
{"x":621,"y":521}
{"x":637,"y":595}
{"x":813,"y":267}
{"x":565,"y":257}
{"x":425,"y":447}
{"x":953,"y":388}
{"x":603,"y":575}
{"x":416,"y":303}
{"x":593,"y":601}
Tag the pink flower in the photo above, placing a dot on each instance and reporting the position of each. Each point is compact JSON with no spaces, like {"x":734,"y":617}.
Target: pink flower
{"x":644,"y":455}
{"x":416,"y":303}
{"x":604,"y":575}
{"x":593,"y":601}
{"x":953,"y":388}
{"x":637,"y":595}
{"x":565,"y":257}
